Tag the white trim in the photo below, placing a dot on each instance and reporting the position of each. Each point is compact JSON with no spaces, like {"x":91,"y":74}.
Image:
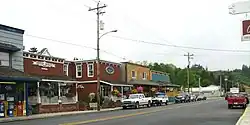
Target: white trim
{"x":132,"y":74}
{"x":63,"y":81}
{"x":77,"y":70}
{"x":67,"y":71}
{"x":93,"y":81}
{"x":88,"y":64}
{"x":43,"y":59}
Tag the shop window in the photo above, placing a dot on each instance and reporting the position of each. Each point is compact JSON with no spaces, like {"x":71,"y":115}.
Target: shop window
{"x":144,"y":75}
{"x":67,"y":93}
{"x":48,"y":92}
{"x":78,"y":70}
{"x":91,"y":70}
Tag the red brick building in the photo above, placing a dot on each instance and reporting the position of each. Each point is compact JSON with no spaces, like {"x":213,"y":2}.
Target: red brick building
{"x":55,"y":92}
{"x":86,"y":73}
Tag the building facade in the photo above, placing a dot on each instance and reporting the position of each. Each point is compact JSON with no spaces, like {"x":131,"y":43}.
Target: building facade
{"x":86,"y":74}
{"x":55,"y":92}
{"x":13,"y":82}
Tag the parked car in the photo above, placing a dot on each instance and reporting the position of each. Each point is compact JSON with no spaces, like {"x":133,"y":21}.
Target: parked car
{"x":193,"y":98}
{"x":181,"y":98}
{"x":136,"y":100}
{"x":201,"y":97}
{"x":159,"y":99}
{"x":236,"y":99}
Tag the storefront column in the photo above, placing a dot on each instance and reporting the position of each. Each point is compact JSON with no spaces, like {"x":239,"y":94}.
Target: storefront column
{"x":38,"y":93}
{"x":122,"y":90}
{"x":112,"y":88}
{"x":26,"y":87}
{"x":59,"y":93}
{"x":76,"y":93}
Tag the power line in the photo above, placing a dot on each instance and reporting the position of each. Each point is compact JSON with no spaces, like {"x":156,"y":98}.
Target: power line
{"x":178,"y":46}
{"x":78,"y":45}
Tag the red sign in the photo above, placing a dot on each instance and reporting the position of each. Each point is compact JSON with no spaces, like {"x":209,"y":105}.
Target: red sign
{"x":246,"y":30}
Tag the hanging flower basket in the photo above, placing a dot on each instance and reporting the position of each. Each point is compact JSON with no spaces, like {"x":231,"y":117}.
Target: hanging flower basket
{"x":139,"y":89}
{"x":115,"y":92}
{"x":153,"y":89}
{"x":134,"y":91}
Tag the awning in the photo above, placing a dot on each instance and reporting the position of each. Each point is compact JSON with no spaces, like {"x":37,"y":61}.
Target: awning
{"x":8,"y":47}
{"x":10,"y":75}
{"x":143,"y":82}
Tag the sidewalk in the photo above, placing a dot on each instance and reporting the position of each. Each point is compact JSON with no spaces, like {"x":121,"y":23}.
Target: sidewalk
{"x":245,"y":118}
{"x":40,"y":116}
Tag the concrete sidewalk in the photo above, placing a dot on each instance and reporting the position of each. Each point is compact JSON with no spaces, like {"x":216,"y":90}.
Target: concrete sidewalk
{"x":40,"y":116}
{"x":245,"y":118}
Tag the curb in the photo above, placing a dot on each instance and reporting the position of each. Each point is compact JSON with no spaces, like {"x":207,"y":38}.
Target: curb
{"x":51,"y":115}
{"x":243,"y":115}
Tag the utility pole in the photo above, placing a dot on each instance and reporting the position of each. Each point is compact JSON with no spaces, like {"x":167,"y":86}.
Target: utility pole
{"x":98,"y":13}
{"x":190,"y":56}
{"x":220,"y":84}
{"x":199,"y":85}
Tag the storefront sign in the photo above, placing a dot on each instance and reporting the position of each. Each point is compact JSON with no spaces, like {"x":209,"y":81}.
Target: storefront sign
{"x":245,"y":30}
{"x":110,"y":70}
{"x":44,"y":64}
{"x":80,"y":86}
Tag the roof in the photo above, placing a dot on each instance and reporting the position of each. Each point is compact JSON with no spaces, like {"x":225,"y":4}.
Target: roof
{"x":11,"y":29}
{"x":25,"y":52}
{"x":167,"y":84}
{"x":143,"y":82}
{"x":134,"y":64}
{"x":10,"y":74}
{"x":91,"y":60}
{"x":8,"y":47}
{"x":154,"y":71}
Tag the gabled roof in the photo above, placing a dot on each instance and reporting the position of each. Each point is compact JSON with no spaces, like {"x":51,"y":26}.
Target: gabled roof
{"x":44,"y":52}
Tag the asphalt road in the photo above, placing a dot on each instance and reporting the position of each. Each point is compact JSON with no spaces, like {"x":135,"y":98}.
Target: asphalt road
{"x":210,"y":112}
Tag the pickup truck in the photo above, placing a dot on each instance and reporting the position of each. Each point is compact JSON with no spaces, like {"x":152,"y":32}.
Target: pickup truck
{"x":160,"y":98}
{"x":236,"y":100}
{"x":136,"y":100}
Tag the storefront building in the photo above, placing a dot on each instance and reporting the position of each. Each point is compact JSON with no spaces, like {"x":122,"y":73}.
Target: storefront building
{"x":56,"y":91}
{"x":86,"y":75}
{"x":13,"y":81}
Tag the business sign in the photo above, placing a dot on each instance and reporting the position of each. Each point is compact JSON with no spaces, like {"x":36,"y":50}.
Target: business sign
{"x":234,"y":90}
{"x":245,"y":30}
{"x":240,"y":7}
{"x":44,"y":64}
{"x":110,"y":70}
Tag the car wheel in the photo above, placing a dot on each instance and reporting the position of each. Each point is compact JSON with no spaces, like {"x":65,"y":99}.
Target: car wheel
{"x":229,"y":106}
{"x":160,"y":103}
{"x":149,"y":104}
{"x":166,"y":103}
{"x":137,"y":105}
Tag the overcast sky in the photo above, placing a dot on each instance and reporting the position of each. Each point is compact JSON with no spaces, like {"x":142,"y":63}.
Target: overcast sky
{"x":192,"y":23}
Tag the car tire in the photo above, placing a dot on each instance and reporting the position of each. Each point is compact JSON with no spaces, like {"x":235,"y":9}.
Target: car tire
{"x":136,"y":105}
{"x":160,"y":103}
{"x":166,"y":103}
{"x":229,"y":106}
{"x":149,"y":104}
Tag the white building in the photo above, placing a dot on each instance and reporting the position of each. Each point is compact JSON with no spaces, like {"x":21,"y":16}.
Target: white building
{"x":211,"y":90}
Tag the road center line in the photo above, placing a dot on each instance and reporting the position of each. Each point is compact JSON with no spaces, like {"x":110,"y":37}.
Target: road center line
{"x":132,"y":114}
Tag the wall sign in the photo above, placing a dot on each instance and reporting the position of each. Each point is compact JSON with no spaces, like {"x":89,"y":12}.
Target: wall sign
{"x":246,"y":30}
{"x":110,"y":70}
{"x":44,"y":64}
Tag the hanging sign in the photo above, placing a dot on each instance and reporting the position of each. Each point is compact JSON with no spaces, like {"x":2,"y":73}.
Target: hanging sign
{"x":245,"y":30}
{"x":110,"y":70}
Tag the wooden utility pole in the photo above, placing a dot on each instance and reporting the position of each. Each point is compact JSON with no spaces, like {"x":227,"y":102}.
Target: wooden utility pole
{"x":189,"y":56}
{"x":98,"y":13}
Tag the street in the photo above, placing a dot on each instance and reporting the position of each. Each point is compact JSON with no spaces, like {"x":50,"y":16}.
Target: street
{"x":210,"y":112}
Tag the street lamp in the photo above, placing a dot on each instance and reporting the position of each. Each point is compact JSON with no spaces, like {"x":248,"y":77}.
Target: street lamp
{"x":98,"y":66}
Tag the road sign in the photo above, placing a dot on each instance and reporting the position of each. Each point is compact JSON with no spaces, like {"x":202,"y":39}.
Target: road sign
{"x":240,"y":7}
{"x":245,"y":30}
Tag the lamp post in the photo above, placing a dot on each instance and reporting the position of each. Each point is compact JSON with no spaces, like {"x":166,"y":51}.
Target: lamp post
{"x":225,"y":83}
{"x":98,"y":66}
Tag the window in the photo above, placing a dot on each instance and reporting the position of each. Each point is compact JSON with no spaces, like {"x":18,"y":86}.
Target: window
{"x":133,"y":74}
{"x":65,"y":69}
{"x":91,"y":70}
{"x":4,"y":59}
{"x":79,"y":70}
{"x":144,"y":75}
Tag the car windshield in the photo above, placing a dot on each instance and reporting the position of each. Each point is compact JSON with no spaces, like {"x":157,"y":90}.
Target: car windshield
{"x":160,"y":96}
{"x":133,"y":96}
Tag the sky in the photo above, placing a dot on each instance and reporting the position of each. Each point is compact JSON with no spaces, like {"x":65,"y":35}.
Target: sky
{"x":68,"y":30}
